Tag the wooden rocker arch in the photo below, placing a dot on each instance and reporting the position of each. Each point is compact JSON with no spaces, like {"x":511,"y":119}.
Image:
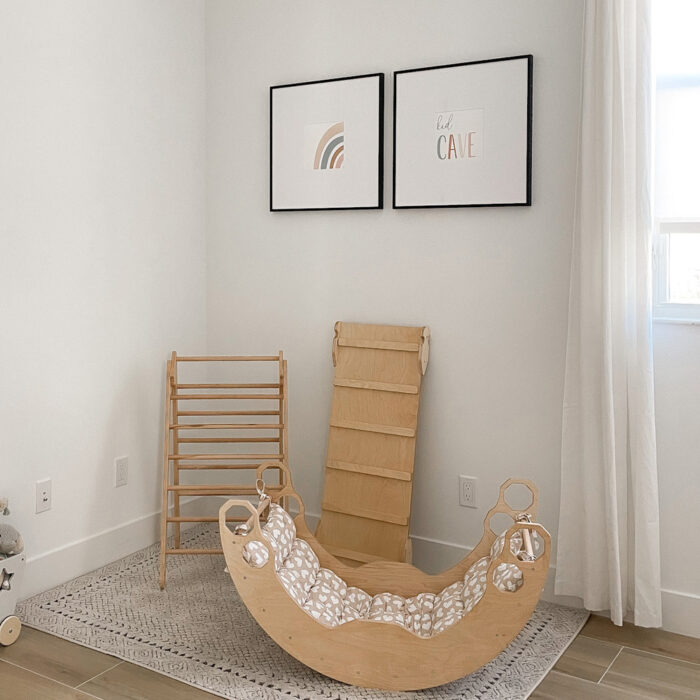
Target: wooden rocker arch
{"x":378,"y":654}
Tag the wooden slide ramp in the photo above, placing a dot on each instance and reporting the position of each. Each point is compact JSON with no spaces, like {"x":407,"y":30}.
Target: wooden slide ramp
{"x":366,"y":504}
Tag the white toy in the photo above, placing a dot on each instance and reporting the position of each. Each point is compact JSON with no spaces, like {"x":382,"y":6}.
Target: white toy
{"x":11,"y":542}
{"x":11,"y":567}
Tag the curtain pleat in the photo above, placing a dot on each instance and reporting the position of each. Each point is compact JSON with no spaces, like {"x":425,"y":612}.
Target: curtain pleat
{"x":608,"y":542}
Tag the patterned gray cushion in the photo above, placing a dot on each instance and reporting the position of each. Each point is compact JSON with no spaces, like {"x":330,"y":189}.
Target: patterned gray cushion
{"x":329,"y":600}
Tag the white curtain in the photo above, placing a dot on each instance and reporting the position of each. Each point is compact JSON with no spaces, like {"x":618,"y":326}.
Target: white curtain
{"x":608,"y":545}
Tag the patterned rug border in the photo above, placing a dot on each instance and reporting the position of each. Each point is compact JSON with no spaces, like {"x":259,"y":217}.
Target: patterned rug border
{"x":190,"y":667}
{"x":562,"y":652}
{"x":145,"y":556}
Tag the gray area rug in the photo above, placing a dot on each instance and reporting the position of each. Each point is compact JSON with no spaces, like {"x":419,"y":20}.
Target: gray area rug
{"x":198,"y":631}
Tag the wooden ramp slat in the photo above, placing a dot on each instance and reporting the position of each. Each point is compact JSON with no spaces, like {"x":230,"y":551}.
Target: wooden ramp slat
{"x":378,"y":344}
{"x":368,"y":469}
{"x":376,"y":386}
{"x":351,"y":554}
{"x":374,"y":428}
{"x":366,"y":513}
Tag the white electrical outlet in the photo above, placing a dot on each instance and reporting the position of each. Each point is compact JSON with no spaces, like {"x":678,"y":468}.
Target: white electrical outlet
{"x":43,"y":495}
{"x":121,"y":471}
{"x":467,"y":491}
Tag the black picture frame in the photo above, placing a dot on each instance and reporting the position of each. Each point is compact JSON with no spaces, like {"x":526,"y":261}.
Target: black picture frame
{"x":528,"y":165}
{"x":380,"y":143}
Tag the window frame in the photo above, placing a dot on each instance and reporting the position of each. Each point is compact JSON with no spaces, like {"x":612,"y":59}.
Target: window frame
{"x":665,"y":311}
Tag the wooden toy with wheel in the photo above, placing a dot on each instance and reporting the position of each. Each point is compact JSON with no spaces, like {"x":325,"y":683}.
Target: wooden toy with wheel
{"x":9,"y":630}
{"x":11,"y":570}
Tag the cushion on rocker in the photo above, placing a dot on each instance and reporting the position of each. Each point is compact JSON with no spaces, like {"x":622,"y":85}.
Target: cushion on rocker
{"x":322,"y":594}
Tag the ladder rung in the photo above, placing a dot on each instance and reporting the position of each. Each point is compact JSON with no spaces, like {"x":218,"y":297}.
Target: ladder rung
{"x":212,"y":487}
{"x":374,"y":428}
{"x":364,"y":513}
{"x":218,"y":466}
{"x":227,"y":440}
{"x":228,"y":413}
{"x":194,"y":551}
{"x":226,"y":426}
{"x":379,"y":344}
{"x":203,"y":519}
{"x":264,"y":385}
{"x":351,"y":554}
{"x":228,"y":358}
{"x":225,"y":488}
{"x":198,"y":457}
{"x":230,"y":397}
{"x":376,"y":386}
{"x":369,"y":469}
{"x":214,"y":493}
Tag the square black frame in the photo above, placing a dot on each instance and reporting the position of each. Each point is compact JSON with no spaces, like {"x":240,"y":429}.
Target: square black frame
{"x":528,"y":186}
{"x":380,"y":142}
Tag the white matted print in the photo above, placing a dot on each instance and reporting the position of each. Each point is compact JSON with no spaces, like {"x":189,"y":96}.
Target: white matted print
{"x":326,"y":144}
{"x":463,"y":134}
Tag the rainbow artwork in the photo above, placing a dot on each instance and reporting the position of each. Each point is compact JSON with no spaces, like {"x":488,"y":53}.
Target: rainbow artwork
{"x":330,"y":151}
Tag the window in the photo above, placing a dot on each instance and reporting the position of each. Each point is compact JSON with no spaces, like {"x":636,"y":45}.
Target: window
{"x":677,"y":161}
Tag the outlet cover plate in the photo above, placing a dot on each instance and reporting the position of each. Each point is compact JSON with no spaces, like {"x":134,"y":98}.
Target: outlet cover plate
{"x":121,"y":471}
{"x":467,"y":491}
{"x":43,"y":495}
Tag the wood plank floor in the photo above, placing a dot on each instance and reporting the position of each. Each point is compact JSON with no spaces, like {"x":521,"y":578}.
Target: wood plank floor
{"x":608,"y":662}
{"x":603,"y":663}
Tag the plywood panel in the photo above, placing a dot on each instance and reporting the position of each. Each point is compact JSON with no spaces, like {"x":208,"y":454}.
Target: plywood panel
{"x":371,"y":406}
{"x":384,"y":540}
{"x":388,"y":451}
{"x":374,"y":493}
{"x":366,"y":506}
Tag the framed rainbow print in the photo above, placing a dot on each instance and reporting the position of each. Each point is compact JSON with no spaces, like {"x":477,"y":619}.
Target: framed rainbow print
{"x":326,"y":144}
{"x":463,"y":135}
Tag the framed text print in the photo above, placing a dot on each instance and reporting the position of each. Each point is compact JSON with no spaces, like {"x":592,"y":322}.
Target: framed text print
{"x":326,"y":144}
{"x":463,"y":134}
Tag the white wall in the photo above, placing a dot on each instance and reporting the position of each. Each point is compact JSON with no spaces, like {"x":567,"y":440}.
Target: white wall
{"x":677,"y":384}
{"x":491,"y":283}
{"x":102,"y":258}
{"x":103,"y":262}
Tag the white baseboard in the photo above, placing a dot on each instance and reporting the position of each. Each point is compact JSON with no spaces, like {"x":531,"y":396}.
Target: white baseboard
{"x":73,"y":559}
{"x":76,"y":558}
{"x":681,"y":611}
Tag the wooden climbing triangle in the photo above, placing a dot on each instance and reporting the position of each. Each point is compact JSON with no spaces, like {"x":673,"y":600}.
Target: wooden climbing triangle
{"x":220,"y":429}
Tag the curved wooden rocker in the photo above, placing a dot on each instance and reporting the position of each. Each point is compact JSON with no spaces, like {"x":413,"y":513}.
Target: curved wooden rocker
{"x":378,"y":654}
